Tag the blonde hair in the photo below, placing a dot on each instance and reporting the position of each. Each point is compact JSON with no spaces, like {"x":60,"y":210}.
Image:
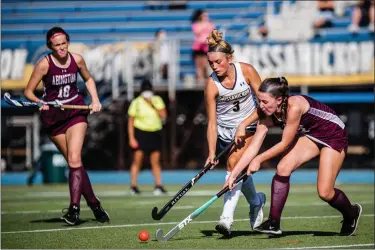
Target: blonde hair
{"x":217,"y":44}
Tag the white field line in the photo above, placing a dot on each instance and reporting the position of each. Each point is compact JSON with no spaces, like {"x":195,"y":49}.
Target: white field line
{"x":120,"y":193}
{"x":288,"y":204}
{"x":164,"y":223}
{"x":330,"y":247}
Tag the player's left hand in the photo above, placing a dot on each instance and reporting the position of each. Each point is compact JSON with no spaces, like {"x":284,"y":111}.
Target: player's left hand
{"x":96,"y":107}
{"x":253,"y":166}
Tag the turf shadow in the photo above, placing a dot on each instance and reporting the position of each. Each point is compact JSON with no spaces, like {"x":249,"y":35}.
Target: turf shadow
{"x":209,"y":233}
{"x":313,"y":233}
{"x":56,"y":220}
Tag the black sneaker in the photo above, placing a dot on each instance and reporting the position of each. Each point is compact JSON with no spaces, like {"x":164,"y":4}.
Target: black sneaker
{"x":135,"y":190}
{"x":100,"y":214}
{"x":270,"y":227}
{"x":159,"y":190}
{"x":350,"y":225}
{"x":71,"y":215}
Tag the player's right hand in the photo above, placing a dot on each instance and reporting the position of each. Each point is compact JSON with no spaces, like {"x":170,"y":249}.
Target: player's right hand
{"x":133,"y":143}
{"x":240,"y":134}
{"x":211,"y":159}
{"x":44,"y":106}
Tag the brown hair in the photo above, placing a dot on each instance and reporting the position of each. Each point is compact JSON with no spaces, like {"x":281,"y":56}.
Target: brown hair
{"x":277,"y":87}
{"x":217,"y":44}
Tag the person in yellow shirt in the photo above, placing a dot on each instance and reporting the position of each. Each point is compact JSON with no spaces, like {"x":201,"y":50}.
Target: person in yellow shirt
{"x":146,"y":115}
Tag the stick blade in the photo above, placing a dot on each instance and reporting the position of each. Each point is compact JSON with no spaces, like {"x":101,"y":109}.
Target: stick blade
{"x":159,"y":235}
{"x":8,"y":100}
{"x":155,"y":214}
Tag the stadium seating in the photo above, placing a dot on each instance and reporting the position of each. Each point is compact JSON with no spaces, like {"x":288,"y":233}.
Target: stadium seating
{"x":24,"y":23}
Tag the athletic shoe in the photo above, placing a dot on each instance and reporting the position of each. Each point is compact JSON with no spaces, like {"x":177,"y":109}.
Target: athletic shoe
{"x":353,"y":28}
{"x":135,"y":191}
{"x":350,"y":225}
{"x":100,"y":214}
{"x":159,"y":190}
{"x":256,"y":212}
{"x":224,"y":226}
{"x":71,"y":215}
{"x":270,"y":227}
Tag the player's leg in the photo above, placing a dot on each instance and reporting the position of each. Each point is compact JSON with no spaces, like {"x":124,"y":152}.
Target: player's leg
{"x":302,"y":151}
{"x":134,"y":170}
{"x":255,"y":200}
{"x":79,"y":182}
{"x":156,"y":171}
{"x":231,"y":197}
{"x":329,"y":167}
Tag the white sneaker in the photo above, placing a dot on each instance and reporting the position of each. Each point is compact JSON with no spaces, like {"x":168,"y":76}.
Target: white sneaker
{"x":256,"y":212}
{"x":224,"y":226}
{"x":353,"y":28}
{"x":371,"y":27}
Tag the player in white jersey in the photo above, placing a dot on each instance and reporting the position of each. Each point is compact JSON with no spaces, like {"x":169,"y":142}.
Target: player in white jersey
{"x":230,"y":98}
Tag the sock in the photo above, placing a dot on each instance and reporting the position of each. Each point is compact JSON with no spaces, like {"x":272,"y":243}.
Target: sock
{"x":75,"y":185}
{"x":341,"y":202}
{"x":231,"y":199}
{"x":87,"y":190}
{"x":248,"y":190}
{"x":279,"y":194}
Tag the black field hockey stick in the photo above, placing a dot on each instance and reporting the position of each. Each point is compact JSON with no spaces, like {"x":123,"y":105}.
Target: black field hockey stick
{"x":193,"y":215}
{"x":190,"y":184}
{"x":8,"y":99}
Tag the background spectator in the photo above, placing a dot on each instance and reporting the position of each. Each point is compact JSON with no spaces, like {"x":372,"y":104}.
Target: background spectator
{"x":160,"y":50}
{"x":202,"y":27}
{"x":326,"y":12}
{"x":146,"y":113}
{"x":362,"y":16}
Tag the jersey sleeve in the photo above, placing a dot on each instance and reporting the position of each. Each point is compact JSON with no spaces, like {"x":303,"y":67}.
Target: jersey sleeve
{"x":158,"y":102}
{"x":132,"y":110}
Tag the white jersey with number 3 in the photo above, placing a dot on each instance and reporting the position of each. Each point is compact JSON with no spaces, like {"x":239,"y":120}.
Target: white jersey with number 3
{"x":233,"y":105}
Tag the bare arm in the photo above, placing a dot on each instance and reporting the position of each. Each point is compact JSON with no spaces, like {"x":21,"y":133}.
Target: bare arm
{"x":253,"y":79}
{"x":131,"y":128}
{"x":210,"y":94}
{"x":289,"y":133}
{"x":39,"y":71}
{"x":86,"y":76}
{"x":251,"y":151}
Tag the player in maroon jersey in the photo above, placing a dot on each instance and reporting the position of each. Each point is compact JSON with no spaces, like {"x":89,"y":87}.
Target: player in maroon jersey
{"x":309,"y":128}
{"x":66,"y":128}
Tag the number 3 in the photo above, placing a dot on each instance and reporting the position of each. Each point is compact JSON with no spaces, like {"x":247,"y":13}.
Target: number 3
{"x":64,"y":91}
{"x":236,"y":107}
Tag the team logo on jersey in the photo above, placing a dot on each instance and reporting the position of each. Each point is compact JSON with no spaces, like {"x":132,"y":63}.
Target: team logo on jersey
{"x":234,"y":97}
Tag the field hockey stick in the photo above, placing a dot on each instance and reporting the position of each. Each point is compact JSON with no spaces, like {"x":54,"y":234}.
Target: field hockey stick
{"x":193,"y":215}
{"x":56,"y":104}
{"x":190,"y":184}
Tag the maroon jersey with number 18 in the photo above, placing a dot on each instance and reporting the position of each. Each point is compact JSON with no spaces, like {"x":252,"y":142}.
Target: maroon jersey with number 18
{"x":61,"y":84}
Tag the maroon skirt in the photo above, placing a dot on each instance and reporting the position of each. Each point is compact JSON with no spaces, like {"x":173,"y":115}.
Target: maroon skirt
{"x":56,"y":121}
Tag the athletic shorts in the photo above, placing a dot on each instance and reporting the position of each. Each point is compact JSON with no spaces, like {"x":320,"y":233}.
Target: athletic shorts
{"x":56,"y":121}
{"x":148,"y":141}
{"x":226,"y":134}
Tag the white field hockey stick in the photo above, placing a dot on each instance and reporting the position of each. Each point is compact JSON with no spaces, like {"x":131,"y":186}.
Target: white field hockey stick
{"x":193,"y":215}
{"x":55,"y":104}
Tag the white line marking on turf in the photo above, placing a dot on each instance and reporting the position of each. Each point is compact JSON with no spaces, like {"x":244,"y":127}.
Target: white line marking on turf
{"x":165,"y":223}
{"x":289,"y":204}
{"x":340,"y":246}
{"x":124,"y":193}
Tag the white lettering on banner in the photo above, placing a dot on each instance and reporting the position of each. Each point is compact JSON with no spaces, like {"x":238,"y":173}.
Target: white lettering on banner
{"x":13,"y":64}
{"x":309,"y":58}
